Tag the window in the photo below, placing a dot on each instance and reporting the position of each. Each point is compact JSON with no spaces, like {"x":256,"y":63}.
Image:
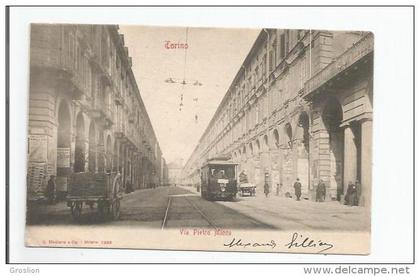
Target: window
{"x":104,"y":50}
{"x":257,"y":113}
{"x":72,"y":47}
{"x":257,"y":72}
{"x":93,"y":84}
{"x":282,"y":46}
{"x":271,"y":60}
{"x":264,"y":66}
{"x":80,"y":62}
{"x":300,"y":34}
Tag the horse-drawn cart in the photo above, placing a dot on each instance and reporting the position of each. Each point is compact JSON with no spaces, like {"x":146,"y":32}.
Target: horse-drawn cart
{"x":247,"y":188}
{"x":244,"y":186}
{"x":100,"y":189}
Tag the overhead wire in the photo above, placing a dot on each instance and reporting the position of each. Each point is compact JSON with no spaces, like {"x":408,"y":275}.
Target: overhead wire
{"x":185,"y":68}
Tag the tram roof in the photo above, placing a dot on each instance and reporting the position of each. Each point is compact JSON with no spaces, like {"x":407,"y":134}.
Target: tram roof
{"x":219,"y":162}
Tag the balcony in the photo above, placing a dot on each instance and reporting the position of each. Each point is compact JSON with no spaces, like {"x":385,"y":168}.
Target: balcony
{"x":118,"y":99}
{"x":61,"y":69}
{"x":85,"y":103}
{"x":126,"y":136}
{"x":131,"y":118}
{"x":353,"y":55}
{"x":102,"y":114}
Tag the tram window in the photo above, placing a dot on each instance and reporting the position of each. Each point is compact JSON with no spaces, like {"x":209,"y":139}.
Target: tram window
{"x":225,"y":171}
{"x":230,"y":172}
{"x":213,"y":172}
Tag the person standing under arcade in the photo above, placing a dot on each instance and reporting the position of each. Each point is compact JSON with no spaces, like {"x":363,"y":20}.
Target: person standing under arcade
{"x":298,"y":189}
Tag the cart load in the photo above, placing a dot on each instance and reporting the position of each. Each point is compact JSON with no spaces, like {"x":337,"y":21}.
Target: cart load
{"x":103,"y":190}
{"x":247,"y":189}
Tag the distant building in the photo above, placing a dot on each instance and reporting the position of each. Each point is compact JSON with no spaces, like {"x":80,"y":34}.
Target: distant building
{"x":300,"y":106}
{"x":85,"y":109}
{"x":174,"y":173}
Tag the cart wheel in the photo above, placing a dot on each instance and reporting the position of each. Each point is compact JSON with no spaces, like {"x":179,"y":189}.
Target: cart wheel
{"x":76,"y":210}
{"x":116,"y":208}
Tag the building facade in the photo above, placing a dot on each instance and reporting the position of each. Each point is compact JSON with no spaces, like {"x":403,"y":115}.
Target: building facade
{"x":300,"y":106}
{"x":174,"y":173}
{"x":164,"y":173}
{"x":85,"y":109}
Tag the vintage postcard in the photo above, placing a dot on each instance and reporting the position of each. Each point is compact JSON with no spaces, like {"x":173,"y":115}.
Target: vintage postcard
{"x":187,"y":138}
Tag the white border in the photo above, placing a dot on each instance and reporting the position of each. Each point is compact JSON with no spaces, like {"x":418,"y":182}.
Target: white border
{"x":392,"y":171}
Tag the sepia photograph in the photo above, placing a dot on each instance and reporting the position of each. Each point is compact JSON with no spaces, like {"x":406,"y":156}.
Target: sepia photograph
{"x":199,"y":138}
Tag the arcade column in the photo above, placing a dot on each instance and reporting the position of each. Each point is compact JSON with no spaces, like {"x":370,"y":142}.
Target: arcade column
{"x":350,"y":157}
{"x":366,"y":162}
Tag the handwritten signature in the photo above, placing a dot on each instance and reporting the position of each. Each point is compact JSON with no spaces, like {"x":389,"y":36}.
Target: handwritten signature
{"x":297,"y":241}
{"x":240,"y":243}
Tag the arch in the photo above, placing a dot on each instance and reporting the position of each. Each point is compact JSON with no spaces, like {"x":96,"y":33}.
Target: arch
{"x":265,"y":139}
{"x":276,"y":138}
{"x":115,"y":157}
{"x":108,"y":153}
{"x":64,"y":126}
{"x":288,"y":134}
{"x":332,"y":116}
{"x":63,"y":106}
{"x":251,"y":149}
{"x":80,"y":150}
{"x":101,"y":152}
{"x":301,"y":143}
{"x":92,"y":147}
{"x":257,"y":143}
{"x":302,"y":131}
{"x":63,"y":148}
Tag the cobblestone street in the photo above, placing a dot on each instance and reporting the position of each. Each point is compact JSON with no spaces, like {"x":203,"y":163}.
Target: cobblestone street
{"x":147,"y":208}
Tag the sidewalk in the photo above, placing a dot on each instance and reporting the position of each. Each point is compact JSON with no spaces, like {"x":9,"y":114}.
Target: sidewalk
{"x":287,"y":213}
{"x":291,"y":214}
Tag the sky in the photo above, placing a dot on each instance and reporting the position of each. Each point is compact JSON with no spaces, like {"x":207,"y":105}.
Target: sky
{"x":213,"y":57}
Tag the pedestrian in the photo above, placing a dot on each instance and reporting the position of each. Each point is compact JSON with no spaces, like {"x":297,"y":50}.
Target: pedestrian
{"x":351,"y":195}
{"x":298,"y":189}
{"x":50,"y":192}
{"x":320,"y":191}
{"x":278,"y":189}
{"x":128,"y":187}
{"x":266,"y":184}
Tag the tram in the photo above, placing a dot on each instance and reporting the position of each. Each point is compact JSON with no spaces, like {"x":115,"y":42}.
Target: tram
{"x":218,"y":179}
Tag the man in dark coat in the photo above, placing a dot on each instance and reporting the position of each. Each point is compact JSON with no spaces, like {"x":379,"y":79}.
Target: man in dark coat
{"x":351,"y":195}
{"x":50,"y":192}
{"x":298,"y":189}
{"x":321,"y":191}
